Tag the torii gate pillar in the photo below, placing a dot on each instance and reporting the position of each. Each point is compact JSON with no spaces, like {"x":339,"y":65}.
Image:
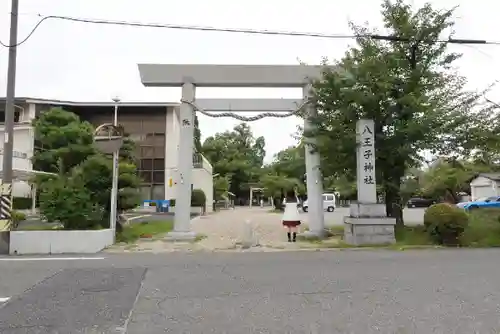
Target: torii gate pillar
{"x":190,"y":76}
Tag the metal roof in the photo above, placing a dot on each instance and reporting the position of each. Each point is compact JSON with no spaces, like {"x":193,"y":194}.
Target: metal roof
{"x":491,"y":176}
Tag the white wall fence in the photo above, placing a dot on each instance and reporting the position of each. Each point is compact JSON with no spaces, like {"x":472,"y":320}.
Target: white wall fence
{"x":59,"y":242}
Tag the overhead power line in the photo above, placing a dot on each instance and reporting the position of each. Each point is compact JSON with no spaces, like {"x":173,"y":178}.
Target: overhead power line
{"x":236,"y":30}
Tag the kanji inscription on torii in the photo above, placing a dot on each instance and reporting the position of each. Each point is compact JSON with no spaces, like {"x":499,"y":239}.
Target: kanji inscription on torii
{"x":367,"y":185}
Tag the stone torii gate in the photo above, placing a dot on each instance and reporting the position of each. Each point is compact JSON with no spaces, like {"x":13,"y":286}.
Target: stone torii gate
{"x":266,"y":76}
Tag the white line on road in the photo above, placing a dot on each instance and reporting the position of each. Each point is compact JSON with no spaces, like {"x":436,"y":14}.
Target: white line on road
{"x":50,"y":258}
{"x":4,"y":299}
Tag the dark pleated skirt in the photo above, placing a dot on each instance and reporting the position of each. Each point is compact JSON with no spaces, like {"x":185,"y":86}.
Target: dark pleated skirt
{"x":291,"y":223}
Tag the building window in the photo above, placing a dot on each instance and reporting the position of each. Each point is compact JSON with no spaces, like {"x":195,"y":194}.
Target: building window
{"x":146,"y":164}
{"x":146,"y":176}
{"x":147,"y":151}
{"x":159,"y":176}
{"x":17,"y":115}
{"x":146,"y":193}
{"x":158,"y":164}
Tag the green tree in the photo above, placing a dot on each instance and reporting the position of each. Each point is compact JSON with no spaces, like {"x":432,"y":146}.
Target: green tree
{"x":62,"y":141}
{"x":221,"y":187}
{"x":66,"y":148}
{"x":276,"y":186}
{"x":345,"y":187}
{"x":96,"y":173}
{"x":238,"y":155}
{"x":67,"y":200}
{"x":449,"y":177}
{"x":290,"y":162}
{"x":410,"y":186}
{"x":409,"y":88}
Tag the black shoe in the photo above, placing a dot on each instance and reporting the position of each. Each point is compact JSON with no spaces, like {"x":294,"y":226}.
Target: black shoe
{"x":294,"y":237}
{"x":289,"y":237}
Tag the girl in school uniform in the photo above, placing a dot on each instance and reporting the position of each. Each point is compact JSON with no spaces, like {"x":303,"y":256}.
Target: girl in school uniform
{"x":291,"y":216}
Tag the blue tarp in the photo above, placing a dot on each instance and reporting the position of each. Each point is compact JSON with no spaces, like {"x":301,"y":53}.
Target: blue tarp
{"x":161,"y":205}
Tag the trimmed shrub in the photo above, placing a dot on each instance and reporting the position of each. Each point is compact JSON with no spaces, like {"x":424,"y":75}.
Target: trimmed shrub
{"x":172,"y":202}
{"x":17,"y":217}
{"x":445,"y":223}
{"x":198,"y":198}
{"x":483,"y":229}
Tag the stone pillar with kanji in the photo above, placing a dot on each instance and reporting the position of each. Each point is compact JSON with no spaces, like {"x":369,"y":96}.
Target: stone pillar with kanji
{"x":367,"y":223}
{"x":366,"y":180}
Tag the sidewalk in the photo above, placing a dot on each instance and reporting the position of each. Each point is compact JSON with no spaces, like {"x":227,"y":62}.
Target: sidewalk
{"x":226,"y":229}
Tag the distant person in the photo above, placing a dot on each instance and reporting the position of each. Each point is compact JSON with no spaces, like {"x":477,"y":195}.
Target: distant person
{"x":291,"y":216}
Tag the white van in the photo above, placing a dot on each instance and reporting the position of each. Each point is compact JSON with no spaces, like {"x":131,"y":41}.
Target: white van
{"x":328,"y":203}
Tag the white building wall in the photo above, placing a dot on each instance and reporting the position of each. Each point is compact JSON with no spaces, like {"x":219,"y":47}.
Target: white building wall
{"x":27,"y":112}
{"x":483,"y":187}
{"x":23,"y":152}
{"x":202,"y":177}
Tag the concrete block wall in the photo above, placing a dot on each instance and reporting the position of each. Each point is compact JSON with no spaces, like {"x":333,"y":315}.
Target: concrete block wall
{"x":381,"y":231}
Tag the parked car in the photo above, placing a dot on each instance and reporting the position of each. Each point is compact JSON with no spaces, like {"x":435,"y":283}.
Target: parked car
{"x":485,"y":202}
{"x":418,"y":202}
{"x":329,"y":203}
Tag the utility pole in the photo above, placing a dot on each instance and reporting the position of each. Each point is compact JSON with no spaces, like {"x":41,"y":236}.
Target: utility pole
{"x":8,"y":146}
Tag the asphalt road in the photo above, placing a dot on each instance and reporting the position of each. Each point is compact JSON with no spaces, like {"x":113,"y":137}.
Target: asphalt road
{"x":426,"y":291}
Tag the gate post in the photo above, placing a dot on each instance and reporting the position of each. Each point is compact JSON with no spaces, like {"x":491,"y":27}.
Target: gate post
{"x":182,"y":219}
{"x":314,"y":176}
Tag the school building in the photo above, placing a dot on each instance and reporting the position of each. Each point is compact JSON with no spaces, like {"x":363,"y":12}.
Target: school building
{"x":153,"y":126}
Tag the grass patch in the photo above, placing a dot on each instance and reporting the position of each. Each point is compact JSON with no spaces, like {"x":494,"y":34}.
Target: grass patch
{"x":406,"y":237}
{"x":483,"y":229}
{"x":412,"y":235}
{"x":335,"y":230}
{"x":133,"y":232}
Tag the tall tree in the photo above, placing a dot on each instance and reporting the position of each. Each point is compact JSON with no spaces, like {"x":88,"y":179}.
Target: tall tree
{"x":409,"y":88}
{"x":448,"y":177}
{"x":276,"y":186}
{"x":238,"y":155}
{"x":64,"y":146}
{"x":221,"y":187}
{"x":290,"y":162}
{"x":62,"y":141}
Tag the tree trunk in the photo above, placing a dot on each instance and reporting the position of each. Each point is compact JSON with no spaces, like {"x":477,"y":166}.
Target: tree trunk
{"x":450,"y":196}
{"x":277,"y":203}
{"x":393,"y":205}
